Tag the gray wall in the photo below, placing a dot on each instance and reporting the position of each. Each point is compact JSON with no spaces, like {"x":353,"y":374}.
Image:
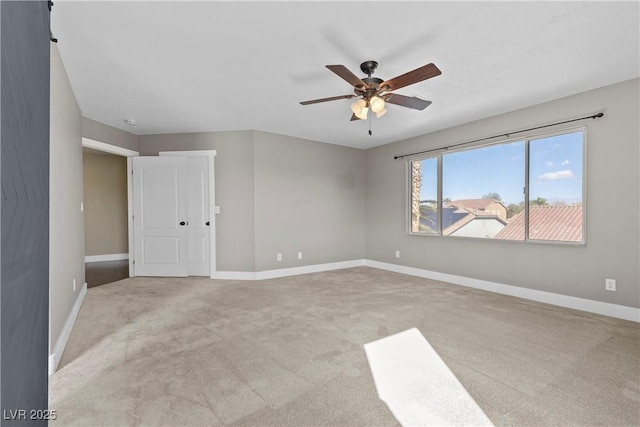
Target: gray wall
{"x":109,"y":135}
{"x":234,"y":191}
{"x":309,"y":198}
{"x":105,"y":204}
{"x":66,"y":260}
{"x":24,"y":227}
{"x":612,"y":229}
{"x":279,"y":194}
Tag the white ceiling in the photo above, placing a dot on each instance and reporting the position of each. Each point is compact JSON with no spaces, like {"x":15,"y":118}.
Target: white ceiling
{"x":213,"y":66}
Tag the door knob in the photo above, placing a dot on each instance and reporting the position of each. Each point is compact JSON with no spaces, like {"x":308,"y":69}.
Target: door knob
{"x":206,"y":223}
{"x":182,"y":223}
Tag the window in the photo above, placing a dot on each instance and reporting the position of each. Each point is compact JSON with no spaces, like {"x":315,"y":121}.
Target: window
{"x":479,"y":185}
{"x":482,"y":192}
{"x":555,"y":188}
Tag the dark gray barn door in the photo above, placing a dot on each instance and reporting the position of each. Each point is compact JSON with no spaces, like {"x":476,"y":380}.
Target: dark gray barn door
{"x":24,"y":224}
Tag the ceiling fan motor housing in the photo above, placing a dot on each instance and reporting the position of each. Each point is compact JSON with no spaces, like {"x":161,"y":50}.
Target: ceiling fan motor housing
{"x":372,"y":84}
{"x":372,"y":87}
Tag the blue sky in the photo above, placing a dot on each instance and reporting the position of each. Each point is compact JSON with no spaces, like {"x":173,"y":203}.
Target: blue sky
{"x":555,"y":171}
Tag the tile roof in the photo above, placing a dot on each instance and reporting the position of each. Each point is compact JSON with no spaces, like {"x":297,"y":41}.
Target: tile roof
{"x":560,"y":223}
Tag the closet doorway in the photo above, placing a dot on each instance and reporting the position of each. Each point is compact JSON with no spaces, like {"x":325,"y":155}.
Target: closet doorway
{"x":173,"y":214}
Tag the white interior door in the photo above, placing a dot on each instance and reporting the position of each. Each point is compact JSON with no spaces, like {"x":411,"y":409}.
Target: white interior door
{"x":160,"y":195}
{"x":202,"y":241}
{"x":198,"y":216}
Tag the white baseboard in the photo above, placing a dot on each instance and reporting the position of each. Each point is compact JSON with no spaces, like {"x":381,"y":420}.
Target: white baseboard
{"x":317,"y":268}
{"x":597,"y":307}
{"x":591,"y":306}
{"x":234,"y":275}
{"x":284,"y":272}
{"x":54,"y":359}
{"x":107,"y":257}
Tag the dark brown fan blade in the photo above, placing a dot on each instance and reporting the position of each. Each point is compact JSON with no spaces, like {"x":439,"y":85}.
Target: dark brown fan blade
{"x":333,"y":98}
{"x":347,"y":75}
{"x":354,"y":118}
{"x":407,"y":101}
{"x":419,"y":74}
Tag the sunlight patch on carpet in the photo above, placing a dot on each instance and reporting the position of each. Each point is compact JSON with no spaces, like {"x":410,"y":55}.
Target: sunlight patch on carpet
{"x":417,"y":385}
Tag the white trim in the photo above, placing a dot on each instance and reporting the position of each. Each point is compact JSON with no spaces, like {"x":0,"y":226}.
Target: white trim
{"x":317,"y":268}
{"x":107,"y":257}
{"x":234,"y":275}
{"x":54,"y":359}
{"x":120,"y":151}
{"x":285,"y":272}
{"x":108,"y":148}
{"x":591,"y":306}
{"x":130,"y":241}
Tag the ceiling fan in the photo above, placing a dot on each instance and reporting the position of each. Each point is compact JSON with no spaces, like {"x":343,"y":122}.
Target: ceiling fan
{"x":373,"y":92}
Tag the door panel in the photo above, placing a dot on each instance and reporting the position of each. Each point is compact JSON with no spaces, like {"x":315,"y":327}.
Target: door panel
{"x":160,"y":205}
{"x":160,"y":250}
{"x":198,"y":213}
{"x":197,"y":251}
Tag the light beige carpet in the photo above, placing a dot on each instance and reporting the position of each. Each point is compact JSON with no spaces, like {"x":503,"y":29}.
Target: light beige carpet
{"x":290,"y":351}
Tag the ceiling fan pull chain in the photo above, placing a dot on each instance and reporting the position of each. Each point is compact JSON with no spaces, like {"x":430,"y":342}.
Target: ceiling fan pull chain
{"x":370,"y":133}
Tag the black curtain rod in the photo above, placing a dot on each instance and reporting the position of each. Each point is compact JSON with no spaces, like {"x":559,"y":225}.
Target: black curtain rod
{"x":595,"y":116}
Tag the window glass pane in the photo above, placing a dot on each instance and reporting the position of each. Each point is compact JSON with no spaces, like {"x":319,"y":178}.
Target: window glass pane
{"x":482,"y":191}
{"x":555,"y":188}
{"x":424,"y":196}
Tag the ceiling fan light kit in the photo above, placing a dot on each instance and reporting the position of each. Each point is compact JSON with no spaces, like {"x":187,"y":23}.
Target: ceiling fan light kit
{"x":374,"y":93}
{"x":376,"y":103}
{"x":360,"y":108}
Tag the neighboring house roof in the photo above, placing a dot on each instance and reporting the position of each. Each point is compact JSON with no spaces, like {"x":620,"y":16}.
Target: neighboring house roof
{"x":450,"y":215}
{"x":467,"y":219}
{"x":458,"y":224}
{"x":454,"y":217}
{"x":546,"y":222}
{"x":480,"y":204}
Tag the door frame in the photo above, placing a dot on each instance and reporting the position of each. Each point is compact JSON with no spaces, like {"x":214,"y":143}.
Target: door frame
{"x":213,"y":209}
{"x":211,"y":155}
{"x":125,"y":152}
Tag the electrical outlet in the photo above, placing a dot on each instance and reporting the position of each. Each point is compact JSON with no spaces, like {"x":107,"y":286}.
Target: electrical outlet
{"x":299,"y":255}
{"x":397,"y":254}
{"x":610,"y":284}
{"x":74,"y":285}
{"x":278,"y":257}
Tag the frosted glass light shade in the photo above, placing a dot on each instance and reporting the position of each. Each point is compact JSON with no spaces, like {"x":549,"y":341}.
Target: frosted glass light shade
{"x":362,"y":115}
{"x":357,"y":106}
{"x":381,"y":112}
{"x":377,"y":104}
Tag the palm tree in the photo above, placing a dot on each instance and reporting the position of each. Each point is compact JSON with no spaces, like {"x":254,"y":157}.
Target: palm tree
{"x":416,"y":185}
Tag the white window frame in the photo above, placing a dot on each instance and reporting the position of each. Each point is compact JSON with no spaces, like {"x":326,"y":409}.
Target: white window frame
{"x":527,"y":138}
